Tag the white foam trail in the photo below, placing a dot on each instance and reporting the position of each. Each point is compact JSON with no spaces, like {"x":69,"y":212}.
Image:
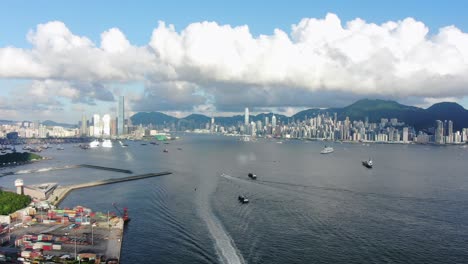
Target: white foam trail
{"x":225,"y":247}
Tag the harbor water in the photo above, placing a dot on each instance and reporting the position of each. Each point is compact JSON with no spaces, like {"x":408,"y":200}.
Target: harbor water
{"x":412,"y":207}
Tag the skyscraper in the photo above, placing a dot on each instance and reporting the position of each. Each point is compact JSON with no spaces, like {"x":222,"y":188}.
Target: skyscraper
{"x":84,"y":126}
{"x":97,"y":125}
{"x":405,"y":134}
{"x":121,"y":116}
{"x":246,"y":117}
{"x":439,"y":133}
{"x":273,"y":121}
{"x":106,"y":125}
{"x":450,"y":131}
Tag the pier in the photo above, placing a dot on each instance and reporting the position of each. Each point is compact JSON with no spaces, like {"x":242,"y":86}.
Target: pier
{"x":61,"y":192}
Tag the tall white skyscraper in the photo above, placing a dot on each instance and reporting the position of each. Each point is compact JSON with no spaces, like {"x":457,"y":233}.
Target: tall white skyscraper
{"x":405,"y":134}
{"x":121,"y":116}
{"x":439,"y":133}
{"x":273,"y":121}
{"x":106,"y":125}
{"x":246,"y":117}
{"x":97,"y":125}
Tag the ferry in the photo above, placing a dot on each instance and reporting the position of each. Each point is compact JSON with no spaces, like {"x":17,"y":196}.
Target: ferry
{"x":368,"y":164}
{"x":107,"y":143}
{"x":327,"y":150}
{"x":94,"y":144}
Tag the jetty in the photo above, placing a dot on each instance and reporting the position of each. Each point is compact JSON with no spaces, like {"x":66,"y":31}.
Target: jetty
{"x":62,"y":191}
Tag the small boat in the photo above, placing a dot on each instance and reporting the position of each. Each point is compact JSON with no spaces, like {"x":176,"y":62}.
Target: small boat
{"x":60,"y":148}
{"x":327,"y":150}
{"x":153,"y":143}
{"x":368,"y":164}
{"x":179,"y":148}
{"x":243,"y":199}
{"x":107,"y":143}
{"x":84,"y":146}
{"x":252,"y":176}
{"x":165,"y":150}
{"x":94,"y":144}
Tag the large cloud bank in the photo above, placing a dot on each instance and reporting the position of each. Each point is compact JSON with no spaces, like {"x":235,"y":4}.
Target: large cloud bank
{"x":210,"y":66}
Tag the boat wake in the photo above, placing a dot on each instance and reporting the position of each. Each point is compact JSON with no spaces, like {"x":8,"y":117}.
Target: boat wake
{"x":224,"y":245}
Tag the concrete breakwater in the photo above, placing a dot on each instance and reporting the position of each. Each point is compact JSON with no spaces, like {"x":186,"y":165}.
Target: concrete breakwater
{"x":65,"y":168}
{"x":61,"y":192}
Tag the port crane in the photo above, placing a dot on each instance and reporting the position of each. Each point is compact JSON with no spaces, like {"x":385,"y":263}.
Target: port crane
{"x":123,"y":214}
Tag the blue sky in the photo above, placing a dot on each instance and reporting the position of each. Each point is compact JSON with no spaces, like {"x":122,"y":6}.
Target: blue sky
{"x":137,"y":19}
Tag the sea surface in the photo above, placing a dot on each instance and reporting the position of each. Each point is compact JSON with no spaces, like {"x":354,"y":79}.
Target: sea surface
{"x":412,"y":207}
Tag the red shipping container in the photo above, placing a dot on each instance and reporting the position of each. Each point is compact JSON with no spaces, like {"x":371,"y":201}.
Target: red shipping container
{"x":48,"y":248}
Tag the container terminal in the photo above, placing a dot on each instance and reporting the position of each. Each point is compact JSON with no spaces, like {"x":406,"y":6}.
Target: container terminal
{"x":44,"y":233}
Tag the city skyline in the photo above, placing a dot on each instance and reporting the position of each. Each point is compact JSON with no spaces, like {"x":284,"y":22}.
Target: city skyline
{"x":323,"y":55}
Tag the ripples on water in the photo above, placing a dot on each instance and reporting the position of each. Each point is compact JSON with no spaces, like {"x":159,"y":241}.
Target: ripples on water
{"x":304,"y":207}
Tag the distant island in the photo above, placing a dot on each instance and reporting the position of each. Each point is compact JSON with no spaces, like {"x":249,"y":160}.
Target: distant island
{"x":18,"y":158}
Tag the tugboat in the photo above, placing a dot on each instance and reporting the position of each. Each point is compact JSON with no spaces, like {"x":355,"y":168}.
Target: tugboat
{"x":252,"y":176}
{"x":243,"y":199}
{"x":367,"y":163}
{"x":124,"y":215}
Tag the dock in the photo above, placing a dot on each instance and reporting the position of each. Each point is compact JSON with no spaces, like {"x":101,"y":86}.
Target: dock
{"x":62,"y":191}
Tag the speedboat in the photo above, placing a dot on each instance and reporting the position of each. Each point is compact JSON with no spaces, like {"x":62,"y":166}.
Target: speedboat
{"x":252,"y":176}
{"x":243,"y":199}
{"x":368,"y":164}
{"x":327,"y":150}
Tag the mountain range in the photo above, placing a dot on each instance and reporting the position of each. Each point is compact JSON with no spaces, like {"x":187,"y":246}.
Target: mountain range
{"x":373,"y":109}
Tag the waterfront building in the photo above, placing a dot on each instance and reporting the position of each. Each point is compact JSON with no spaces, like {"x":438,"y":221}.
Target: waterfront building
{"x":450,"y":131}
{"x":84,"y":128}
{"x":246,"y":116}
{"x":113,"y":127}
{"x":439,"y":132}
{"x":97,"y":125}
{"x":405,"y":135}
{"x":121,"y":116}
{"x":106,"y":125}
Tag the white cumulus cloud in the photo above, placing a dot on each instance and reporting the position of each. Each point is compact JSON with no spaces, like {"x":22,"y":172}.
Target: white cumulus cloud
{"x":207,"y":65}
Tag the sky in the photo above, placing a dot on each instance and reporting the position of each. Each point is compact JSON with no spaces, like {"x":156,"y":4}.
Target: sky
{"x":62,"y":59}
